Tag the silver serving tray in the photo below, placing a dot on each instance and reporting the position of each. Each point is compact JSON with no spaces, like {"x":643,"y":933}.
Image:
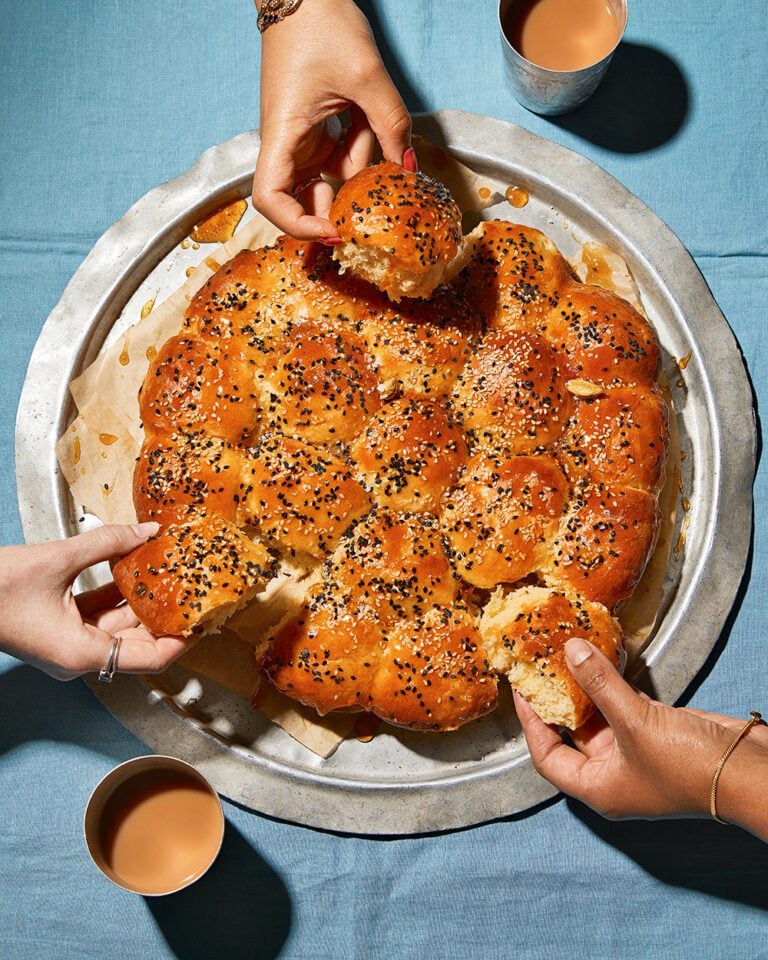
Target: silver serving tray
{"x":405,"y":782}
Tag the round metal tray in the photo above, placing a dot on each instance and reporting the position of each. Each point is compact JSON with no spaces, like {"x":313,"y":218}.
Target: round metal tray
{"x":405,"y":782}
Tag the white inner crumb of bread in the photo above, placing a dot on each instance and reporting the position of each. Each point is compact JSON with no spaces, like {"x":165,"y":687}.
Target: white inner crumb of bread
{"x":547,"y":695}
{"x":220,"y":615}
{"x":384,"y":271}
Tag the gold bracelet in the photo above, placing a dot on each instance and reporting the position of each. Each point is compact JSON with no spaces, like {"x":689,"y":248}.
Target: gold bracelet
{"x":273,"y":11}
{"x":755,"y":720}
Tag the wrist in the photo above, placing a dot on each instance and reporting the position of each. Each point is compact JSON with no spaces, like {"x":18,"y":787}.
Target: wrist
{"x":742,"y":790}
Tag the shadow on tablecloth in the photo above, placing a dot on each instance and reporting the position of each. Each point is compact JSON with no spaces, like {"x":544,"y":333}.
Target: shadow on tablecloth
{"x":240,"y":908}
{"x":642,"y":103}
{"x":701,"y":855}
{"x":34,"y":706}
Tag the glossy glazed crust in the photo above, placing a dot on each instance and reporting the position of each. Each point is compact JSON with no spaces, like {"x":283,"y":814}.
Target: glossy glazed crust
{"x":604,"y":540}
{"x":501,"y":517}
{"x":195,"y":385}
{"x":399,"y":229}
{"x":300,"y":497}
{"x":421,"y":346}
{"x":409,"y":454}
{"x":514,"y":277}
{"x":599,"y":337}
{"x":182,"y":475}
{"x":323,"y":386}
{"x":620,"y":435}
{"x":510,"y":394}
{"x":505,"y":432}
{"x":426,"y":672}
{"x":190,"y":573}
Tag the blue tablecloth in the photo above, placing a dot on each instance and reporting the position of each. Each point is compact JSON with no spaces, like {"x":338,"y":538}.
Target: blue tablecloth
{"x":100,"y":101}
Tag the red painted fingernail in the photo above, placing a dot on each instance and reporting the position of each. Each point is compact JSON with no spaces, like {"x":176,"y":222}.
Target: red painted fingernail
{"x":409,"y":160}
{"x":330,"y":241}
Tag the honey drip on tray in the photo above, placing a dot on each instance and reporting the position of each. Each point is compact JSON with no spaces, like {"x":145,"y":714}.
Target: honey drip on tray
{"x":366,"y":726}
{"x":686,"y":505}
{"x":516,"y":196}
{"x":219,"y":226}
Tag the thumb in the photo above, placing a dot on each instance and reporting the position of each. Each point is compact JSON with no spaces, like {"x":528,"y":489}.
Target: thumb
{"x":601,"y":681}
{"x":104,"y":543}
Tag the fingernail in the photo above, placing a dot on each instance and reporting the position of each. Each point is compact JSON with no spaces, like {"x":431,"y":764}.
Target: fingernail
{"x":409,"y":160}
{"x":148,"y":529}
{"x":330,"y":241}
{"x":577,"y":651}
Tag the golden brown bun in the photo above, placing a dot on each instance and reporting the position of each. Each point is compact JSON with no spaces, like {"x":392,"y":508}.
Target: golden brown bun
{"x":184,"y":475}
{"x":524,"y":633}
{"x":300,"y":497}
{"x":507,"y":428}
{"x":434,"y":673}
{"x":501,"y":517}
{"x":324,"y":657}
{"x":323,"y":387}
{"x":233,"y":298}
{"x":601,"y":338}
{"x":620,"y":435}
{"x":192,"y":577}
{"x":387,"y":572}
{"x":510,"y":395}
{"x":409,"y":454}
{"x":514,"y":275}
{"x":194,"y":386}
{"x":391,"y":565}
{"x":420,"y":346}
{"x":400,"y":230}
{"x":605,"y":539}
{"x":425,"y":673}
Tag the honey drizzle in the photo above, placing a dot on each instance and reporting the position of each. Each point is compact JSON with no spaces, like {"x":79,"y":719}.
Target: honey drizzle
{"x":686,"y":505}
{"x":516,"y":196}
{"x":366,"y":726}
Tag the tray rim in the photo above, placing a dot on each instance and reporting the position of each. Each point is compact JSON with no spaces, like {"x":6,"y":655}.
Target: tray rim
{"x":380,"y":809}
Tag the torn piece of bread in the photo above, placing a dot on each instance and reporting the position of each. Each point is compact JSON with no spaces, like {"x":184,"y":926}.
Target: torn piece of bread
{"x":191,"y":578}
{"x":400,"y":231}
{"x":524,"y":633}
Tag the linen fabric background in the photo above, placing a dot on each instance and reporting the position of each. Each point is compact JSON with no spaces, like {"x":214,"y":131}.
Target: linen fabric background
{"x":101,"y":101}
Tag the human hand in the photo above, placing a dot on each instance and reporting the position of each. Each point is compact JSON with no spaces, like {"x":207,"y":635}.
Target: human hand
{"x":642,"y":758}
{"x":316,"y":63}
{"x":43,"y":623}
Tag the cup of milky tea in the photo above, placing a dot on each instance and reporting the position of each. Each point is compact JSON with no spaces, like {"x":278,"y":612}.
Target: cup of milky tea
{"x":154,"y":825}
{"x":556,"y":52}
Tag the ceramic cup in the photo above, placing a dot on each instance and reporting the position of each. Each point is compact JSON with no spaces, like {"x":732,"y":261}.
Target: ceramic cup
{"x":553,"y":92}
{"x":154,"y":825}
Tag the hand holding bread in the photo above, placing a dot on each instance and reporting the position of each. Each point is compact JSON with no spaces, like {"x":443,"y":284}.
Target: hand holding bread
{"x":642,"y":758}
{"x":43,"y":623}
{"x":317,"y":63}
